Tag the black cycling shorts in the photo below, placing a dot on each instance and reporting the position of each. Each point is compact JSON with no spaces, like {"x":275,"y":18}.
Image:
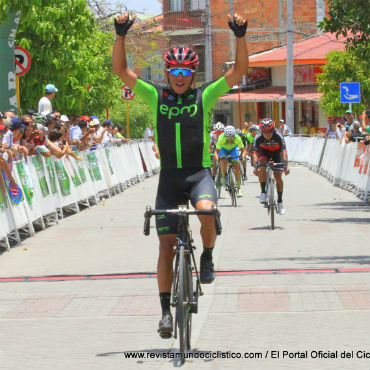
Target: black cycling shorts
{"x":265,"y":156}
{"x":177,"y":186}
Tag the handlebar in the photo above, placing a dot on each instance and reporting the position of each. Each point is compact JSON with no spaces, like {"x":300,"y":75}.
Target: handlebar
{"x":182,"y":210}
{"x":274,"y":165}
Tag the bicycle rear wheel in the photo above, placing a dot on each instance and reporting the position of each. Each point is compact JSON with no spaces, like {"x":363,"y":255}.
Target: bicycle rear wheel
{"x":218,"y":182}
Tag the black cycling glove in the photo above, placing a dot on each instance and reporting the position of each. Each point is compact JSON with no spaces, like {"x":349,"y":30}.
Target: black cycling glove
{"x":122,"y":28}
{"x":239,"y":31}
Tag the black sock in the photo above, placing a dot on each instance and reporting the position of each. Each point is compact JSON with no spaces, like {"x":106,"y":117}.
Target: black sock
{"x":165,"y":299}
{"x":263,"y":187}
{"x":280,"y":197}
{"x":207,"y":252}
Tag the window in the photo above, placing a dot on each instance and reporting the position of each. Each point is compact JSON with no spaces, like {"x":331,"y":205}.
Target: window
{"x":197,"y":4}
{"x":154,"y":72}
{"x":175,"y":5}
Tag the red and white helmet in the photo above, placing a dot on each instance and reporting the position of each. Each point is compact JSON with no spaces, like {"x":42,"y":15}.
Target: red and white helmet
{"x":181,"y":56}
{"x":266,"y":124}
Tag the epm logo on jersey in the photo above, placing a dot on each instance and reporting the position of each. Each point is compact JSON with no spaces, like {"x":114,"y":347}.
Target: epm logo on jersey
{"x":175,"y":111}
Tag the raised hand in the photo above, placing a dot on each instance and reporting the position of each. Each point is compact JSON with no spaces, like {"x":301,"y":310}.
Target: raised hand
{"x":238,"y":25}
{"x":123,"y":23}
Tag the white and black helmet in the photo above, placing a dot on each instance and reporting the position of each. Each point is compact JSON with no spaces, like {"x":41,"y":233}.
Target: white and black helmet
{"x":219,"y":126}
{"x":239,"y":132}
{"x":254,"y":128}
{"x":230,"y":131}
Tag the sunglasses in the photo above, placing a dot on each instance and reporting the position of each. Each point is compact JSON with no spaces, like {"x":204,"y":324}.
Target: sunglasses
{"x":184,"y":71}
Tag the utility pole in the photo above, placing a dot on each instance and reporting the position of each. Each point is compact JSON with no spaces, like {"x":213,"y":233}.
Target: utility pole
{"x":290,"y":68}
{"x":232,"y":37}
{"x":208,"y":42}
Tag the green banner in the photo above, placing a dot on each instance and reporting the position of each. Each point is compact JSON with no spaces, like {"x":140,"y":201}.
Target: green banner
{"x":51,"y":173}
{"x":72,"y":172}
{"x":107,"y":153}
{"x":3,"y":203}
{"x":37,"y":162}
{"x":81,"y":170}
{"x":8,"y":90}
{"x":26,"y":181}
{"x":93,"y":164}
{"x":64,"y":183}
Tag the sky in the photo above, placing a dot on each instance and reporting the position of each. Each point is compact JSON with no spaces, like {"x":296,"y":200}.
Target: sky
{"x":153,"y":7}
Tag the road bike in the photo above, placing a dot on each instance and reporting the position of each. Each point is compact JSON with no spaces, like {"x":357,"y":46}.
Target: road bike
{"x":184,"y":296}
{"x":271,"y":193}
{"x":231,"y":184}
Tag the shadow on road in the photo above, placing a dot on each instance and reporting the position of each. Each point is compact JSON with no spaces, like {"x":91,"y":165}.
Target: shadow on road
{"x":360,"y":260}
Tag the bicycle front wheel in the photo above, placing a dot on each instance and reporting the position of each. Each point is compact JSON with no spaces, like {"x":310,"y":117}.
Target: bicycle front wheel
{"x":183,"y":303}
{"x":272,"y":204}
{"x":232,"y":187}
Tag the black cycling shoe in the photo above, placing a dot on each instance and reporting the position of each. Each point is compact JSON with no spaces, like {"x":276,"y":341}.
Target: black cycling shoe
{"x":166,"y":326}
{"x":207,"y":272}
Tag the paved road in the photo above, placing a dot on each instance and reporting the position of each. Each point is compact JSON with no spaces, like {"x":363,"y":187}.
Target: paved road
{"x":257,"y":304}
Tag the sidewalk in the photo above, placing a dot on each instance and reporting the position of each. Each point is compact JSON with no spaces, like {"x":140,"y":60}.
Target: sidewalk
{"x":92,"y":323}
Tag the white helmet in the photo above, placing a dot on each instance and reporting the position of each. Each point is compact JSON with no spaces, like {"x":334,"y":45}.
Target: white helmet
{"x":219,"y":126}
{"x":230,"y":131}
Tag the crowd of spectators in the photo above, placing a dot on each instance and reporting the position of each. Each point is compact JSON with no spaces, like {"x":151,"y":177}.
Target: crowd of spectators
{"x":349,"y":129}
{"x":48,"y":132}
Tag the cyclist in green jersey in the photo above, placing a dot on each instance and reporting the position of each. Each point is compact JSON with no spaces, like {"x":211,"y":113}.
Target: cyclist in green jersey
{"x":182,"y":125}
{"x":227,"y":145}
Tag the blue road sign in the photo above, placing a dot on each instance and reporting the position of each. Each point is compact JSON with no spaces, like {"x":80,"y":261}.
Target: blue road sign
{"x":350,"y":92}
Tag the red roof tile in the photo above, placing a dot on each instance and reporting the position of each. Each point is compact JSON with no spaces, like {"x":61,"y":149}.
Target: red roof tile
{"x":274,"y":93}
{"x":309,"y":51}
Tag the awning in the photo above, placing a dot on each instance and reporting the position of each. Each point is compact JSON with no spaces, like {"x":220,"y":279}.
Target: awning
{"x":274,"y":94}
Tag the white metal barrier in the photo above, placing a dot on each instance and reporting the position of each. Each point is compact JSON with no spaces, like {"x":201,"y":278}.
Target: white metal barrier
{"x":50,"y":185}
{"x":345,"y":165}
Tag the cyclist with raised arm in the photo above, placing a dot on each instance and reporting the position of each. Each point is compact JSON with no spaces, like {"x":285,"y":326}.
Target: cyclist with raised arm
{"x":218,"y":129}
{"x":269,"y":145}
{"x":182,"y":126}
{"x":227,"y":145}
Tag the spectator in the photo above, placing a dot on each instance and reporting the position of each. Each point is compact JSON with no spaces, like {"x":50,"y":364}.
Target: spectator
{"x":354,"y":135}
{"x":340,"y":130}
{"x":56,"y":114}
{"x":284,"y":128}
{"x":60,"y":147}
{"x":10,"y":139}
{"x":108,"y":136}
{"x":73,"y":127}
{"x":81,"y":135}
{"x":64,"y":119}
{"x":246,"y":127}
{"x":365,"y":118}
{"x":98,"y":135}
{"x":312,"y":127}
{"x":118,"y":134}
{"x":303,"y":128}
{"x":331,"y":131}
{"x":149,"y":133}
{"x":350,"y":120}
{"x":28,"y":133}
{"x":51,"y":121}
{"x":10,"y":114}
{"x":44,"y":105}
{"x":40,"y":141}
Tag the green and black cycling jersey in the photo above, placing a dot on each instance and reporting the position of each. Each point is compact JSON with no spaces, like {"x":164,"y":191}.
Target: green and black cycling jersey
{"x":182,"y":123}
